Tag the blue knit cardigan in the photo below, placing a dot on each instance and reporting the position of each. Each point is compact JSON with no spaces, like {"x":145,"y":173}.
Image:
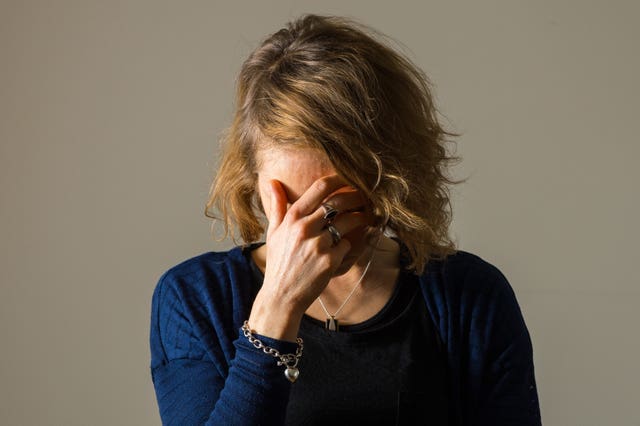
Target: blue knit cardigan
{"x":205,"y":372}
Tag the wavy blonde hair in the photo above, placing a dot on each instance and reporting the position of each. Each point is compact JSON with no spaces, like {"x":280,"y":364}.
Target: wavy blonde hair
{"x":333,"y":84}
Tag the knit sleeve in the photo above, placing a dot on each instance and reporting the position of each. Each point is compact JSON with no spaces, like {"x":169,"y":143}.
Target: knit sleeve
{"x":507,"y":392}
{"x":193,"y":386}
{"x":489,"y":349}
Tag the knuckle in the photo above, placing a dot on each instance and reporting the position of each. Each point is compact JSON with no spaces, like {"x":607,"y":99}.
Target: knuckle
{"x":304,"y":231}
{"x":294,"y":212}
{"x":321,"y":185}
{"x":326,"y":262}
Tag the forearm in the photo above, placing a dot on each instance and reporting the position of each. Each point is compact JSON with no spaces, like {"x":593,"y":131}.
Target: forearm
{"x":256,"y":390}
{"x":252,"y":391}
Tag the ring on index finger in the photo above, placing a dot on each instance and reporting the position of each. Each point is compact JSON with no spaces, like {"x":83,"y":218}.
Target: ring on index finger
{"x":335,"y":234}
{"x":330,"y":212}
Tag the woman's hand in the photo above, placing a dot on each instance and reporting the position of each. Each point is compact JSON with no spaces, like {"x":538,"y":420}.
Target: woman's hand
{"x":300,"y":254}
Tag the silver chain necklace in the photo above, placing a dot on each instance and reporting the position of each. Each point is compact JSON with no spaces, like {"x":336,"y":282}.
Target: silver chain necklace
{"x":331,"y":323}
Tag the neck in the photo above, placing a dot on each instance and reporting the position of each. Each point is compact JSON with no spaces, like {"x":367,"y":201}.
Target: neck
{"x":385,"y":258}
{"x":347,"y":300}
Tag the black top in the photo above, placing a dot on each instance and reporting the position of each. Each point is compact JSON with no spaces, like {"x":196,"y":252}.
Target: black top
{"x":396,"y":355}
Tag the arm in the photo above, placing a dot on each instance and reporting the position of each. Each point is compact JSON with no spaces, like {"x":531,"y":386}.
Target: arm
{"x":489,"y":349}
{"x":195,"y":387}
{"x":507,"y":391}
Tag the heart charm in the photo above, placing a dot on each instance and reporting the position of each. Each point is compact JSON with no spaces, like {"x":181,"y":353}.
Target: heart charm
{"x":291,"y":373}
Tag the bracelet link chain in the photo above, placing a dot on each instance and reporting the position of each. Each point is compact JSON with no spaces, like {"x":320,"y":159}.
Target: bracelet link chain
{"x":290,"y":361}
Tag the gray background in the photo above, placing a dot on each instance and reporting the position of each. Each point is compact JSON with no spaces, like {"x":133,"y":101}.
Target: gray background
{"x":109,"y":118}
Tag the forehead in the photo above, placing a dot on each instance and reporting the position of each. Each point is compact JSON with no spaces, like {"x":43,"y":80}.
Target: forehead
{"x":274,"y":157}
{"x":296,"y":168}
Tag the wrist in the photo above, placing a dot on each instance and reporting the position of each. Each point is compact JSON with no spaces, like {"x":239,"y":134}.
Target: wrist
{"x":274,"y":319}
{"x":289,"y":360}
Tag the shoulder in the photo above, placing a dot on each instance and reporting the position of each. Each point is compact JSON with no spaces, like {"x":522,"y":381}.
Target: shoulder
{"x":465,"y":285}
{"x":197,"y":305}
{"x":212,"y":284}
{"x":466,"y":271}
{"x":204,"y":272}
{"x":468,"y":295}
{"x":201,"y":263}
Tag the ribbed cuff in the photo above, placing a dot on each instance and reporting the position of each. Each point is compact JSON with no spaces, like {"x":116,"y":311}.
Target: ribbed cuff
{"x":256,"y":386}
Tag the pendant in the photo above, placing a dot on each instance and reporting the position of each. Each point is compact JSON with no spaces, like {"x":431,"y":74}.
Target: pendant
{"x":291,"y":373}
{"x":331,"y":324}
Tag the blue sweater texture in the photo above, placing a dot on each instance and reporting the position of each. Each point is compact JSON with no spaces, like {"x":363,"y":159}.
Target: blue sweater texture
{"x":205,"y":372}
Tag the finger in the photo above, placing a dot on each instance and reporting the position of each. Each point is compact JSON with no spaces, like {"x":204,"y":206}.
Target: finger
{"x":278,"y":203}
{"x":318,"y":191}
{"x":346,"y":223}
{"x":342,"y":248}
{"x":353,"y":216}
{"x":346,"y":200}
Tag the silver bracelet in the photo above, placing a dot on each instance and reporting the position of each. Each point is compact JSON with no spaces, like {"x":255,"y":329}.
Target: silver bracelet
{"x":290,"y":361}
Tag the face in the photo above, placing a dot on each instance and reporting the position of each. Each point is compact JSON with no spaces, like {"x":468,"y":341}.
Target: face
{"x":296,"y":169}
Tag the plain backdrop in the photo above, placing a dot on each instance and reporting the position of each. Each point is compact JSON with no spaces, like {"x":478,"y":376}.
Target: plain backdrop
{"x":110,"y":114}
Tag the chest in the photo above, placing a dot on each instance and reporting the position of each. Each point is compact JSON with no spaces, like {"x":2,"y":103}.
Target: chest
{"x":390,"y":371}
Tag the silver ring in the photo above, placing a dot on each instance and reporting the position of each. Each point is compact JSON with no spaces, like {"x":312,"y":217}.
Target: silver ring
{"x":335,"y":234}
{"x":329,"y":212}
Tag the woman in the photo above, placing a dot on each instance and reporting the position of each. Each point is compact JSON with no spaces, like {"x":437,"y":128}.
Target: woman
{"x":356,"y":308}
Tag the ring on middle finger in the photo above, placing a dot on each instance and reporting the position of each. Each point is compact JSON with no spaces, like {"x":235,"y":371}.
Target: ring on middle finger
{"x":330,"y":212}
{"x":335,"y":234}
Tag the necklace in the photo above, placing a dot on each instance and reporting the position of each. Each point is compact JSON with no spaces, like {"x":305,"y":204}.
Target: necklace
{"x":331,"y":323}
